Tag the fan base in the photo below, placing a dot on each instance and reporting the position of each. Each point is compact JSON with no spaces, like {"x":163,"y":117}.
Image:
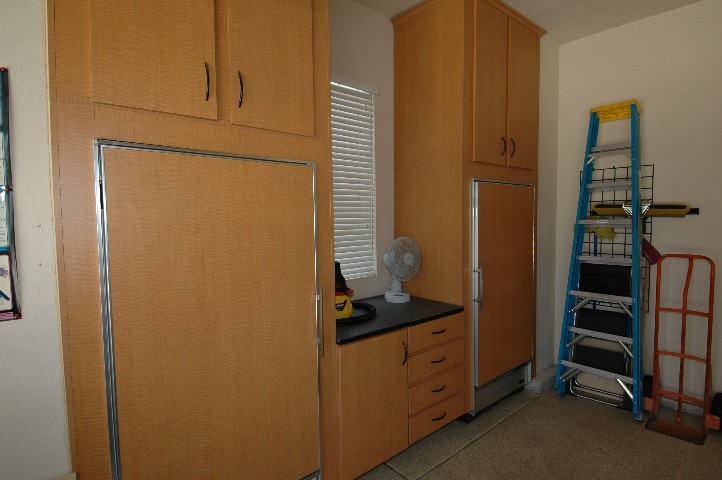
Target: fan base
{"x":397,"y":297}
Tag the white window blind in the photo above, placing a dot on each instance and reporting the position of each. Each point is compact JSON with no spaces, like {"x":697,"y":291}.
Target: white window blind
{"x":352,"y":142}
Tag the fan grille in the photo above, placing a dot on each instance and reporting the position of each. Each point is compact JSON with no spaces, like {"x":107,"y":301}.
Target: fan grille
{"x":403,"y":259}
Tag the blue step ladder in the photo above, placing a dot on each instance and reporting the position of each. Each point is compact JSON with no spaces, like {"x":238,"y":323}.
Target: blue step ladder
{"x":601,"y":336}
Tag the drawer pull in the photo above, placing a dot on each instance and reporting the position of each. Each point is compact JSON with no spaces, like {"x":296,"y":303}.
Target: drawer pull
{"x":439,"y":361}
{"x":406,"y":353}
{"x":438,"y":332}
{"x":240,"y":95}
{"x":439,"y":389}
{"x":439,"y":418}
{"x":208,"y":82}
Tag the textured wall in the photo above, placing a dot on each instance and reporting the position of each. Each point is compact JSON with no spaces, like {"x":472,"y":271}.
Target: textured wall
{"x":547,"y":202}
{"x":362,"y":49}
{"x":671,"y":64}
{"x":33,"y":424}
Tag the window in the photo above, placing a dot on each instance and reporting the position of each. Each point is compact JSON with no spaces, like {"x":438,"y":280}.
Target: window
{"x":352,"y":146}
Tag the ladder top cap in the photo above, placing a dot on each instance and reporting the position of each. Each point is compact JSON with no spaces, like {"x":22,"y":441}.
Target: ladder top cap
{"x":615,"y":111}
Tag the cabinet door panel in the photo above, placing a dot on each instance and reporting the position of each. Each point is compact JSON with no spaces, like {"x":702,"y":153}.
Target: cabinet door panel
{"x":374,"y":402}
{"x":506,"y":253}
{"x":490,"y":85}
{"x":271,"y":47}
{"x":523,"y":95}
{"x":152,"y":55}
{"x":206,"y":348}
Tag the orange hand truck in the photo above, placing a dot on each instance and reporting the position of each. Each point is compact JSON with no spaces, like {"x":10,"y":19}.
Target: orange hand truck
{"x":711,"y":421}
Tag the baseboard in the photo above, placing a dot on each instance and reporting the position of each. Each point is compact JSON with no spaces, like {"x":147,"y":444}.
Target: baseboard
{"x":543,"y":381}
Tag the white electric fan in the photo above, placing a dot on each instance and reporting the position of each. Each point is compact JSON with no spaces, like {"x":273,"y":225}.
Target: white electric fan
{"x":403,"y":261}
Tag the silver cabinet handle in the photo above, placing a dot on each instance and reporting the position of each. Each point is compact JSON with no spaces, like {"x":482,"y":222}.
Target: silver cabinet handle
{"x":480,"y":285}
{"x":319,"y":327}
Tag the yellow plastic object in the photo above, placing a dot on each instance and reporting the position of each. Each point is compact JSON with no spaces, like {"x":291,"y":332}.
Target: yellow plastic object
{"x":344,"y":308}
{"x":615,"y":111}
{"x":655,"y":210}
{"x":606,"y":233}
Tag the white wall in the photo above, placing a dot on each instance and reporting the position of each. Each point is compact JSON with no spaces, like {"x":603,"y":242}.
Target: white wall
{"x":33,"y":424}
{"x":672,"y":63}
{"x":362,"y":49}
{"x":547,"y":203}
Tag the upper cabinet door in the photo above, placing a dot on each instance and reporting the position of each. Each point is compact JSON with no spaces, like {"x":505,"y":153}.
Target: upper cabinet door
{"x":271,"y":65}
{"x":490,"y":78}
{"x":155,"y":55}
{"x":523,"y":116}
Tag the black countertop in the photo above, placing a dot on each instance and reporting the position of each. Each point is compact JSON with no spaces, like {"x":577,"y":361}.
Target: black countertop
{"x":392,"y":316}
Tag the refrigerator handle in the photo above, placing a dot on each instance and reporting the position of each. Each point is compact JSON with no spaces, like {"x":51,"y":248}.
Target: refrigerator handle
{"x":479,"y":284}
{"x":320,"y":327}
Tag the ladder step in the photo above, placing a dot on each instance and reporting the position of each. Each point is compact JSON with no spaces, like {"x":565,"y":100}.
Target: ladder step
{"x":597,"y":372}
{"x":616,"y":185}
{"x":600,"y":297}
{"x":606,"y":222}
{"x":601,"y":335}
{"x":605,"y":260}
{"x":610,"y":149}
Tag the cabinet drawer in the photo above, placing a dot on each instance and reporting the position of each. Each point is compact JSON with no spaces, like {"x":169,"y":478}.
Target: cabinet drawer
{"x":424,"y":423}
{"x":436,"y":331}
{"x":435,"y":360}
{"x":434,"y":389}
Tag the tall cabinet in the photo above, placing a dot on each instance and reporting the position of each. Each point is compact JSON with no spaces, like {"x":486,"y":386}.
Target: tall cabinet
{"x":192,"y":189}
{"x":466,"y":110}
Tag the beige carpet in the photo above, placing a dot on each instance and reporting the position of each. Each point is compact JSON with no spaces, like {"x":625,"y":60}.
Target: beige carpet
{"x":531,"y":436}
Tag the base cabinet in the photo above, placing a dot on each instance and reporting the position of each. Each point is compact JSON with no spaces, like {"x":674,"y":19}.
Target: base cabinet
{"x":436,"y":375}
{"x":396,"y":388}
{"x":373,"y":408}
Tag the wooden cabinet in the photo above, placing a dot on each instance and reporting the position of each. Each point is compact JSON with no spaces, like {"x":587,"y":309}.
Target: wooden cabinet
{"x":271,"y":65}
{"x":436,"y":375}
{"x":373,"y":402}
{"x":506,"y":89}
{"x":157,"y":55}
{"x":466,"y":81}
{"x":134,"y":71}
{"x":397,"y":388}
{"x":161,"y":56}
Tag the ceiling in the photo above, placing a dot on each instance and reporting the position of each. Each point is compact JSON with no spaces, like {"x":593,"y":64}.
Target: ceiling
{"x":564,"y":20}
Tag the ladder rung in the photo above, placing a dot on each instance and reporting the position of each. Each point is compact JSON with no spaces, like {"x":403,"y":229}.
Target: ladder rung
{"x":601,"y":297}
{"x":617,"y":185}
{"x":601,"y":335}
{"x":606,"y":222}
{"x":605,"y":260}
{"x":610,"y":149}
{"x":597,"y":372}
